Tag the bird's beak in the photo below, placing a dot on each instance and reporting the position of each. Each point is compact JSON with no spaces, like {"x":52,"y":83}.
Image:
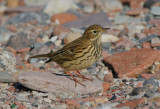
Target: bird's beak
{"x":105,"y":29}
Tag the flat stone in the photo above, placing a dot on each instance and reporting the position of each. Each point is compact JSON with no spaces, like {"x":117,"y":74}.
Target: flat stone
{"x":99,"y":18}
{"x":7,"y":77}
{"x":155,"y":10}
{"x":48,"y":82}
{"x":44,"y":49}
{"x":132,"y":63}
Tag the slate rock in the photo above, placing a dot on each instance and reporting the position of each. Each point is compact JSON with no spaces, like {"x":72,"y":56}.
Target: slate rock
{"x":48,"y":82}
{"x":20,"y":41}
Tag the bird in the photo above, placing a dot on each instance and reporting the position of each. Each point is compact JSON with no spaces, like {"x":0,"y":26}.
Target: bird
{"x":79,"y":54}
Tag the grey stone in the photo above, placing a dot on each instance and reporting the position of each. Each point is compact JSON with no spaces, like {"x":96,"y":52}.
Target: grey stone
{"x":21,"y":40}
{"x":151,"y":81}
{"x":7,"y":61}
{"x":137,"y":90}
{"x":3,"y":29}
{"x":106,"y":45}
{"x":6,"y":76}
{"x":40,"y":17}
{"x":44,"y":49}
{"x":99,"y":18}
{"x":21,"y":98}
{"x":121,"y":19}
{"x":149,"y":38}
{"x":155,"y":10}
{"x":149,"y":92}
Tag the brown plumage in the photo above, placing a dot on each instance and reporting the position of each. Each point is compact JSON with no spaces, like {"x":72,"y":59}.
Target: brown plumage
{"x":80,"y":53}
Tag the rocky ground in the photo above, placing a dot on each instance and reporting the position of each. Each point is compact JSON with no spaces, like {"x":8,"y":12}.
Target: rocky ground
{"x":127,"y":76}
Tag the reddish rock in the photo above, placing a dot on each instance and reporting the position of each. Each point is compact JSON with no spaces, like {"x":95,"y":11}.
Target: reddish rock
{"x":63,"y":17}
{"x":146,"y":45}
{"x":12,"y":28}
{"x":60,"y":29}
{"x":123,"y":42}
{"x":140,"y":35}
{"x":22,"y":50}
{"x":76,"y":102}
{"x":11,"y":89}
{"x":139,"y":84}
{"x":152,"y":30}
{"x":105,"y":54}
{"x":136,"y":6}
{"x":108,"y":77}
{"x":157,"y":68}
{"x":155,"y":22}
{"x":106,"y":86}
{"x":132,"y":63}
{"x":147,"y":76}
{"x":12,"y":50}
{"x":133,"y":103}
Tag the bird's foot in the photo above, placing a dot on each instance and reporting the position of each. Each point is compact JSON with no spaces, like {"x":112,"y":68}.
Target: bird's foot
{"x":82,"y":76}
{"x":74,"y":79}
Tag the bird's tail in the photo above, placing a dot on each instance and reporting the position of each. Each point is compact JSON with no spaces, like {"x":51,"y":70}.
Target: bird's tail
{"x":40,"y":56}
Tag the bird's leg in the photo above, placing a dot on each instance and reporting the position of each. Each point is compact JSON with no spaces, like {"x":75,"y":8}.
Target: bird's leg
{"x":82,"y":76}
{"x":73,"y":78}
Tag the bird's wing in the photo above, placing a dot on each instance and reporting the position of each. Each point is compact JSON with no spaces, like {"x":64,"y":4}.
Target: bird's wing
{"x":68,"y":52}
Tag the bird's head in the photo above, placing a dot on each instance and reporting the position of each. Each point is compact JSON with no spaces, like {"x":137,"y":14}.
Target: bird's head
{"x":94,"y":32}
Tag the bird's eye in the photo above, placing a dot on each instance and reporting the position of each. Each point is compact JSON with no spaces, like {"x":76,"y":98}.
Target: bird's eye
{"x":94,"y":31}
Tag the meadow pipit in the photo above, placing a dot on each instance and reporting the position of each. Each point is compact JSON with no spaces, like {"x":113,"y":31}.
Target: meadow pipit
{"x":80,"y":53}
